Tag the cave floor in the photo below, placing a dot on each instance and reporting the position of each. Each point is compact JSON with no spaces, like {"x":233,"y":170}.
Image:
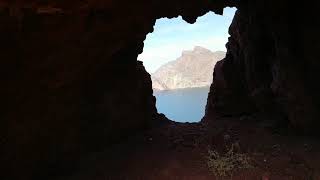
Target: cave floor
{"x":180,"y":151}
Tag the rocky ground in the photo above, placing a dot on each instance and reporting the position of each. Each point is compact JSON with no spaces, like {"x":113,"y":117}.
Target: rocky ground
{"x":180,"y":151}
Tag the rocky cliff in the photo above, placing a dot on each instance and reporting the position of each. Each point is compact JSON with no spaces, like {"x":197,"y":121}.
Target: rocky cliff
{"x":193,"y":69}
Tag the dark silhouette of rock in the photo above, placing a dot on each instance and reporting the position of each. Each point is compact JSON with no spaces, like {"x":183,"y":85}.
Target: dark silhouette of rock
{"x":71,"y":84}
{"x":271,"y":66}
{"x":70,"y":80}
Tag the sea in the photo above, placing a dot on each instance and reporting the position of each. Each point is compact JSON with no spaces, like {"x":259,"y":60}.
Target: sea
{"x":182,"y":105}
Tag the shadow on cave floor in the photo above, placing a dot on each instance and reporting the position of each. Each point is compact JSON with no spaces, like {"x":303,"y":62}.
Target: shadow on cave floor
{"x":179,"y":151}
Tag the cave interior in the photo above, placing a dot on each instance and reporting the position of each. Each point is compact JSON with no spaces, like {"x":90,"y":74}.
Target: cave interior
{"x":72,"y":87}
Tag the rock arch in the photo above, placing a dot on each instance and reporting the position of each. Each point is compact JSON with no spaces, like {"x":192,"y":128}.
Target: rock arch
{"x":69,"y":71}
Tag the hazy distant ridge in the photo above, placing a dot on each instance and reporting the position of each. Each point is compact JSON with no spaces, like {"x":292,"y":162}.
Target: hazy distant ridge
{"x":192,"y":69}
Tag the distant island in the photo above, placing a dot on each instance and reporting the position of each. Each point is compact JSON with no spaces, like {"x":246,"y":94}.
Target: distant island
{"x":192,"y":69}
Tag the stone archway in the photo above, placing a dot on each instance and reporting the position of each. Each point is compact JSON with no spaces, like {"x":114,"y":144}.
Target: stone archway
{"x":56,"y":55}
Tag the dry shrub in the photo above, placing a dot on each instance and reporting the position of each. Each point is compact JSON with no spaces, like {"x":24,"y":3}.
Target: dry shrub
{"x":223,"y":165}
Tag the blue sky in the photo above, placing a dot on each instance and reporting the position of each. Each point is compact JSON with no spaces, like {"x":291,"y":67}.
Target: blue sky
{"x":171,"y":36}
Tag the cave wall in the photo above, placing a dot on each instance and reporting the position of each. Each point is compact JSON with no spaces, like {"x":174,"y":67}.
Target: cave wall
{"x":271,"y":66}
{"x":71,"y":82}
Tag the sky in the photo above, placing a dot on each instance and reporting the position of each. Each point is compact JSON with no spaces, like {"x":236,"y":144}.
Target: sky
{"x":171,"y":36}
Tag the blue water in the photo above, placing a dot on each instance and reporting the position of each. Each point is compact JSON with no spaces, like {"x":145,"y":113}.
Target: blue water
{"x":182,"y":105}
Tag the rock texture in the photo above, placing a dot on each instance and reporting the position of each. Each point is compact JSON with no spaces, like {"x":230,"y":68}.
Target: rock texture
{"x":271,"y":66}
{"x":193,"y":69}
{"x":71,"y":85}
{"x":70,"y":80}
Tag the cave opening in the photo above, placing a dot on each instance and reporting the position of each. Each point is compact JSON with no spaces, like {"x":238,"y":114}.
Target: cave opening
{"x":180,"y":57}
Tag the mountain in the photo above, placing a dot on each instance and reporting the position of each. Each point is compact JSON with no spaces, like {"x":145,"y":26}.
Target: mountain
{"x":192,"y":69}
